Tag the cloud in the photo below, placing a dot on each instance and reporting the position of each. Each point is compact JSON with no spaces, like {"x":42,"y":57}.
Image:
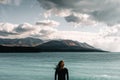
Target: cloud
{"x":109,"y":38}
{"x":21,"y":28}
{"x":105,"y":11}
{"x":71,"y":17}
{"x":49,"y":23}
{"x":3,"y":33}
{"x":3,"y":1}
{"x":7,"y":29}
{"x":80,"y":19}
{"x":108,"y":43}
{"x":48,"y":4}
{"x":41,"y":30}
{"x":45,"y":28}
{"x":57,"y":12}
{"x":11,"y":2}
{"x":113,"y":31}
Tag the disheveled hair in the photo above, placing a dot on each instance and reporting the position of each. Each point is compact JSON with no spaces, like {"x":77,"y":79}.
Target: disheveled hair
{"x":58,"y":65}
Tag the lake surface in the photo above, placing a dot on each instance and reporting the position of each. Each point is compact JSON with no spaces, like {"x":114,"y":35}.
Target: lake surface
{"x":40,"y":66}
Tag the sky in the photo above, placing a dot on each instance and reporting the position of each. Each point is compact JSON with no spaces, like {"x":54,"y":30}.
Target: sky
{"x":96,"y":22}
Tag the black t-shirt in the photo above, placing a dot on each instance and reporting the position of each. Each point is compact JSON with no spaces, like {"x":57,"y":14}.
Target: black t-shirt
{"x":62,"y":74}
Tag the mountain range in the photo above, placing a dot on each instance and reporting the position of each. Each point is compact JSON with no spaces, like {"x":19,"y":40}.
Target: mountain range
{"x":25,"y":42}
{"x":38,"y":45}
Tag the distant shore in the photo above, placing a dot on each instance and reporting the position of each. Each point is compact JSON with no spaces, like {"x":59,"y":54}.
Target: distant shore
{"x":34,"y":49}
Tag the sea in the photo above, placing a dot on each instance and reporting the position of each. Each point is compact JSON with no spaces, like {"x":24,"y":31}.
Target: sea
{"x":41,"y":66}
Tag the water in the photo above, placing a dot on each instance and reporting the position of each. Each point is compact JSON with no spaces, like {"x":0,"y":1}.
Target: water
{"x":40,"y":66}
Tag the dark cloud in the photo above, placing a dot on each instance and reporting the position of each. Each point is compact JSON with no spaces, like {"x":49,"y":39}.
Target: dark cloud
{"x":4,"y":33}
{"x":105,"y":11}
{"x":47,"y":32}
{"x":49,"y":23}
{"x":23,"y":28}
{"x":72,"y":18}
{"x":48,"y":4}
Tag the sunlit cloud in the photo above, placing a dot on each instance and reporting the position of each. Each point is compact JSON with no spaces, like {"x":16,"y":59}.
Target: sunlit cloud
{"x":40,"y":30}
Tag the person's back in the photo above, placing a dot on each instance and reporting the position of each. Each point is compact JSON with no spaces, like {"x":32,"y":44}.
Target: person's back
{"x":61,"y":72}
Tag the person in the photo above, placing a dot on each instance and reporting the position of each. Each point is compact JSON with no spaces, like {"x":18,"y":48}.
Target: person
{"x":61,"y":73}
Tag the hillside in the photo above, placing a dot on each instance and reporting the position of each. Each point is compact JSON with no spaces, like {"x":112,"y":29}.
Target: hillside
{"x":66,"y":46}
{"x":37,"y":45}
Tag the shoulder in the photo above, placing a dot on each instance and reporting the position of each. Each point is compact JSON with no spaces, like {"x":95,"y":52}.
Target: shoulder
{"x":66,"y":69}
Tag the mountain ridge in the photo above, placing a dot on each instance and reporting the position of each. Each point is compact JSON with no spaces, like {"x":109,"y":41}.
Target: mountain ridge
{"x":67,"y":46}
{"x":37,"y":45}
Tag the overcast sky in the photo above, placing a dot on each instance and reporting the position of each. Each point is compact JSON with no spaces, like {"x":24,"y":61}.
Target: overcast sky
{"x":96,"y":22}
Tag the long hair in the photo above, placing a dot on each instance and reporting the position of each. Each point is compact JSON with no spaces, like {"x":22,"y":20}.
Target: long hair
{"x":58,"y":65}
